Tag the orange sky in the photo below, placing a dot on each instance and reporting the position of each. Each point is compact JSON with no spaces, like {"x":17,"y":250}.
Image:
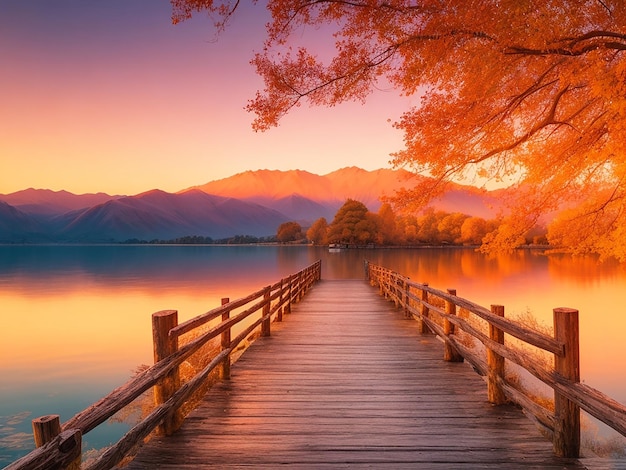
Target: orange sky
{"x":110,"y":96}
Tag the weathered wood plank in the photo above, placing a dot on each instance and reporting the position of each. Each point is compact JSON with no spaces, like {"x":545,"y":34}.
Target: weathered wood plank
{"x":346,"y":381}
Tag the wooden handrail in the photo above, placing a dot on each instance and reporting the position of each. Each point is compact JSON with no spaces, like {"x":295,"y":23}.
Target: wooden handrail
{"x":63,"y":445}
{"x":59,"y":452}
{"x":417,"y":300}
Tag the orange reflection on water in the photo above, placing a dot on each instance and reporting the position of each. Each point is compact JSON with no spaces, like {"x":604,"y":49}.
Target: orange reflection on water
{"x":90,"y":331}
{"x":52,"y":332}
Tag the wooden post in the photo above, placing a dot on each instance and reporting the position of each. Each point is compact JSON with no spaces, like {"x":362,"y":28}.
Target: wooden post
{"x":450,"y":354}
{"x":495,"y":362}
{"x":46,"y":428}
{"x":300,"y":286}
{"x":279,"y":316}
{"x":265,"y":325}
{"x":566,"y":441}
{"x":423,"y":327}
{"x":396,"y":291}
{"x":225,"y":341}
{"x":289,"y":294}
{"x":407,"y":299}
{"x":387,"y":284}
{"x":164,"y":346}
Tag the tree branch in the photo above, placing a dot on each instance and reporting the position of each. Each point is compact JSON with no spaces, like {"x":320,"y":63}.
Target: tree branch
{"x":576,"y":46}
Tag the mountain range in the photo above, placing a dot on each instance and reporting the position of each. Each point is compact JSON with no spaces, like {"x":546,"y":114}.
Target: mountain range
{"x":249,"y":203}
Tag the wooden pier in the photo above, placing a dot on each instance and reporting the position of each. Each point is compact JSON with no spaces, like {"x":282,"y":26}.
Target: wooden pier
{"x":376,"y":373}
{"x":347,"y":381}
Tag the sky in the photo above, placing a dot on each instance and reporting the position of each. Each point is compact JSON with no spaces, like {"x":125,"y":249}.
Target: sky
{"x":112,"y":97}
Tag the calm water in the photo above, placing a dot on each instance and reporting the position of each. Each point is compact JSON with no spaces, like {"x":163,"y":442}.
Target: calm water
{"x":76,"y":319}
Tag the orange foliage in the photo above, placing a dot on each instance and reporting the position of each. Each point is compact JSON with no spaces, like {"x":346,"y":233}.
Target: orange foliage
{"x":473,"y":230}
{"x":353,"y":224}
{"x":596,"y":226}
{"x":289,"y":232}
{"x":389,"y":233}
{"x":532,"y":91}
{"x":318,"y":232}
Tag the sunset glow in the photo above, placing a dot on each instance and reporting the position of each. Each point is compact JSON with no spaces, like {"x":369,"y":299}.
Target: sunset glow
{"x":116,"y":99}
{"x":160,"y":155}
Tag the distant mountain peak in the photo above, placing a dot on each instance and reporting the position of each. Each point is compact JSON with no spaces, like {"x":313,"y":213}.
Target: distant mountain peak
{"x":46,"y":202}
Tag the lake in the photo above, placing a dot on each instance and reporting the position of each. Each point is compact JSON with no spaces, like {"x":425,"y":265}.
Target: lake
{"x":76,"y":320}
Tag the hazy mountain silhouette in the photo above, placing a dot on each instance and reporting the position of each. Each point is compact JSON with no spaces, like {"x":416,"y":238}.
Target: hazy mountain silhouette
{"x":160,"y":215}
{"x":16,"y":226}
{"x":297,"y":207}
{"x":47,"y":203}
{"x":304,"y":196}
{"x":250,"y":203}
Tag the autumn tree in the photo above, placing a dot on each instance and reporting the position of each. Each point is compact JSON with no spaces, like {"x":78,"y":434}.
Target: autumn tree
{"x":389,"y":233}
{"x":289,"y":232}
{"x":473,"y":230}
{"x":407,"y":228}
{"x":450,"y":227}
{"x":353,"y":224}
{"x":428,"y":226}
{"x":368,"y":230}
{"x":318,"y":232}
{"x":526,"y":92}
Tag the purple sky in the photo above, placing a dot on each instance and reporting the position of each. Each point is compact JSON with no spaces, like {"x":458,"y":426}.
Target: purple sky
{"x":110,"y":96}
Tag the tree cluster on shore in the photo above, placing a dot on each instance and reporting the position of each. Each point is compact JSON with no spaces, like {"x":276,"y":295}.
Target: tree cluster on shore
{"x":354,"y":224}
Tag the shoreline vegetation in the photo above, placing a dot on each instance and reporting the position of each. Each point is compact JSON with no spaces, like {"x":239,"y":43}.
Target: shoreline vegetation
{"x":237,"y":241}
{"x":354,"y":226}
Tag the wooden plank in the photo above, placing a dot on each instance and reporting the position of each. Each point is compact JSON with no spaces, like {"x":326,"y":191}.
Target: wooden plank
{"x":346,"y":381}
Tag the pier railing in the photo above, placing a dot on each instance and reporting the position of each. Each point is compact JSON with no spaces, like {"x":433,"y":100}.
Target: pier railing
{"x":59,"y":446}
{"x":436,"y":312}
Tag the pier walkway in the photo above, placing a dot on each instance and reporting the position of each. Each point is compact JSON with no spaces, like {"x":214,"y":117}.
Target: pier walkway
{"x":346,"y":381}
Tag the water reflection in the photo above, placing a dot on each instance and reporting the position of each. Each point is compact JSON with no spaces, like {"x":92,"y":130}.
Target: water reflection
{"x":78,"y":317}
{"x":43,"y":269}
